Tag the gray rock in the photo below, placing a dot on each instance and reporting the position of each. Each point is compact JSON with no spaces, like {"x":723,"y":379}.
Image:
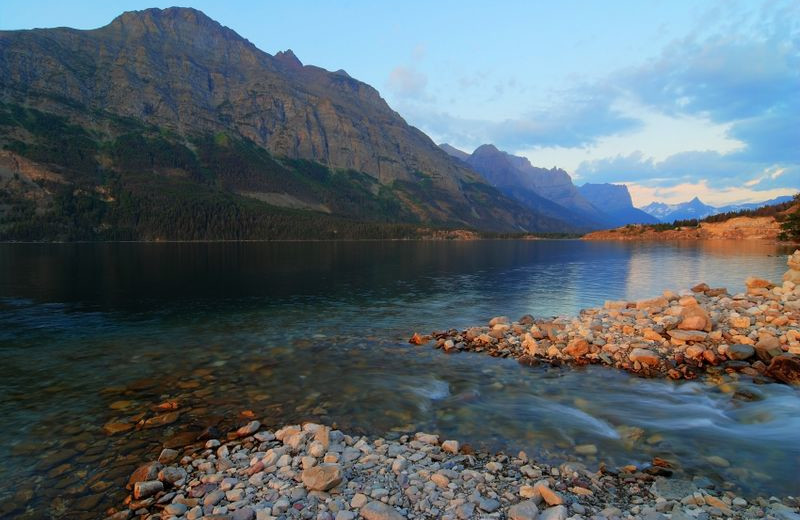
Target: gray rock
{"x":672,"y":489}
{"x":781,"y":512}
{"x":244,"y":513}
{"x":175,"y":509}
{"x":194,"y":513}
{"x":740,"y":351}
{"x":554,"y":513}
{"x":379,"y":511}
{"x":489,"y":505}
{"x":168,"y":456}
{"x":526,"y":510}
{"x":248,"y":429}
{"x":213,"y":498}
{"x":465,"y":511}
{"x":280,"y":506}
{"x":171,"y":474}
{"x":147,"y":488}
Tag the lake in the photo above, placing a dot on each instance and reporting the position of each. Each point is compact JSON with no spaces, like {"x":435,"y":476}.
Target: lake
{"x":292,"y":331}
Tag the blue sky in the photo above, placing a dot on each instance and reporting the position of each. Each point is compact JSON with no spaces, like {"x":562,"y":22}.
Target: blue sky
{"x":674,"y":98}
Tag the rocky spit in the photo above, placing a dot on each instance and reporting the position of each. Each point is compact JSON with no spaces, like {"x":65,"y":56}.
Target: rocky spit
{"x":315,"y":472}
{"x":701,"y":331}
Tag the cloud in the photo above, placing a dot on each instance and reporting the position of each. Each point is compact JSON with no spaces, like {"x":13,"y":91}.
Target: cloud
{"x":727,"y":78}
{"x":716,"y":178}
{"x":580,"y":121}
{"x":643,"y":195}
{"x":721,"y":169}
{"x":407,"y":82}
{"x":717,"y":109}
{"x":747,"y":75}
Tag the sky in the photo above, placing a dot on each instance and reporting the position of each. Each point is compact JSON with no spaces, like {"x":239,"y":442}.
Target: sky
{"x":674,"y":98}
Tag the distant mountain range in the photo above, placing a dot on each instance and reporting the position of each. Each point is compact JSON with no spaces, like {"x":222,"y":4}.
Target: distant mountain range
{"x":166,"y":125}
{"x":551,"y":191}
{"x":696,"y":209}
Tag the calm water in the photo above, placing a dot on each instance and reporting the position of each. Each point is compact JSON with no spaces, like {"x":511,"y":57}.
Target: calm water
{"x":91,"y":333}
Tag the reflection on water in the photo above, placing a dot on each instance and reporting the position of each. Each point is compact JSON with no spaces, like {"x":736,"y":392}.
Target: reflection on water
{"x":297,"y":331}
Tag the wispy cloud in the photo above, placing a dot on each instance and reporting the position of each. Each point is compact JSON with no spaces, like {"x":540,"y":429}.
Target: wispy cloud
{"x":579,"y":121}
{"x":407,"y":82}
{"x":643,"y":195}
{"x":738,"y":71}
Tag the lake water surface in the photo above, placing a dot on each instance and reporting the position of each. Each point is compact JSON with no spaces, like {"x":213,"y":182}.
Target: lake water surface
{"x":92,"y":333}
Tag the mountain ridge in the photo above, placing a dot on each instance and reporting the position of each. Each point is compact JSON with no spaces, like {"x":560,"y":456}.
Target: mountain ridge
{"x":552,"y":191}
{"x":697,"y":209}
{"x":198,"y":83}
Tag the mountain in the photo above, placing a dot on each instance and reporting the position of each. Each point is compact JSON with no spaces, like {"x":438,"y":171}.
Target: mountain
{"x":170,"y":106}
{"x":615,"y":201}
{"x":454,"y":152}
{"x":753,"y":205}
{"x":503,"y":169}
{"x":549,"y":192}
{"x":552,"y":191}
{"x":694,"y":209}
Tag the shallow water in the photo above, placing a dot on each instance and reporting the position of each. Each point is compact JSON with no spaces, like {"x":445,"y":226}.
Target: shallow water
{"x":295,"y":331}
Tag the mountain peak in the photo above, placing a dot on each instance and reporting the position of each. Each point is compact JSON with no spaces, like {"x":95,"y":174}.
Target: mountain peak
{"x":486,"y":148}
{"x":454,"y":152}
{"x":289,"y":59}
{"x":183,"y":23}
{"x":155,"y":15}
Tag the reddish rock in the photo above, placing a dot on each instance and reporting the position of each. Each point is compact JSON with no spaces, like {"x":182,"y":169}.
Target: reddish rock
{"x":644,"y":356}
{"x":144,"y":472}
{"x":322,"y":477}
{"x":113,"y":428}
{"x":417,"y":339}
{"x":162,"y":420}
{"x":694,"y":317}
{"x":577,"y":348}
{"x":785,"y":368}
{"x":147,"y":488}
{"x":248,"y":429}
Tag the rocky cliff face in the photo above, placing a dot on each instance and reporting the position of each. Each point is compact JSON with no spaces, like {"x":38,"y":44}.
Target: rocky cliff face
{"x":551,"y":192}
{"x":176,"y":68}
{"x":615,"y":201}
{"x":503,"y":169}
{"x":180,"y":71}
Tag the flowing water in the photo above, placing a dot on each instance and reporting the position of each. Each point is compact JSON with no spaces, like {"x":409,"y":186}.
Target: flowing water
{"x":93,"y":333}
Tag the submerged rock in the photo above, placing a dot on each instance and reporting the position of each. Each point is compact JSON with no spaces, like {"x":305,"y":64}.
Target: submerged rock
{"x":785,"y":368}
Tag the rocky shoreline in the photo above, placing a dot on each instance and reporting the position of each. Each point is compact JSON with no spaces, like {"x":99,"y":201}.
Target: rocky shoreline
{"x":315,"y":472}
{"x":737,"y":228}
{"x":699,"y":332}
